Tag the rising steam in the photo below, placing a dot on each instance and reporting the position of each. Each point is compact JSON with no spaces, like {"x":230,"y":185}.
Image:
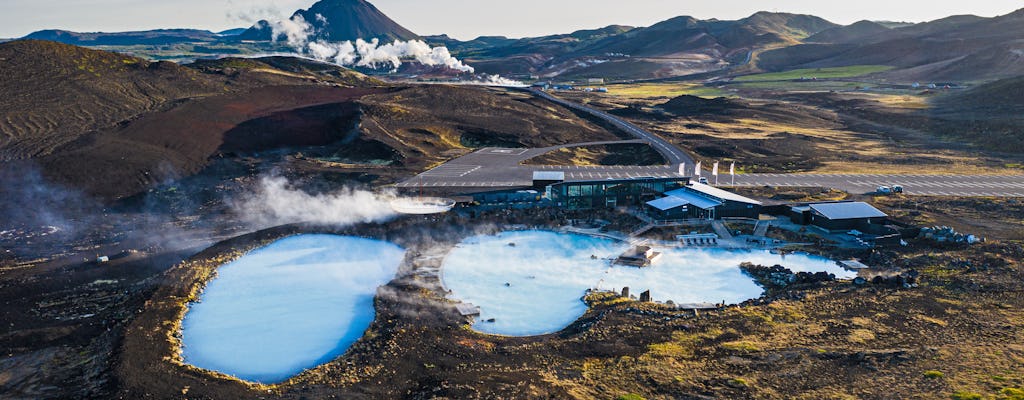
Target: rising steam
{"x":296,"y":33}
{"x":277,"y":202}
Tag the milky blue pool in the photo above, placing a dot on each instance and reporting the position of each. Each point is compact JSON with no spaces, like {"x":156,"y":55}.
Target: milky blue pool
{"x":535,"y":287}
{"x":292,"y":305}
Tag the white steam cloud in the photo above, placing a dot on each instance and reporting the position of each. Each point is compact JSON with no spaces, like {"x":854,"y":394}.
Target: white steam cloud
{"x":497,"y":80}
{"x":278,"y":202}
{"x":375,"y":55}
{"x":296,"y":32}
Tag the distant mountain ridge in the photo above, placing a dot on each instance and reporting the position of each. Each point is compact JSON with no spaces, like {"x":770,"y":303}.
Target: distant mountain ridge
{"x":675,"y":46}
{"x":340,"y":20}
{"x":858,"y":31}
{"x":956,"y":48}
{"x":152,"y":37}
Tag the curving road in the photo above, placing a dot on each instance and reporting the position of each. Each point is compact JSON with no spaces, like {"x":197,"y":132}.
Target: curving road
{"x":504,"y":168}
{"x":672,"y":154}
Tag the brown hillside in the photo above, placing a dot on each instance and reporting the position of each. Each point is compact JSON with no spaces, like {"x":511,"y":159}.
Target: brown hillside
{"x":54,"y":93}
{"x":431,"y":124}
{"x":277,"y":70}
{"x":182,"y":140}
{"x":860,"y":31}
{"x":958,"y":48}
{"x":1006,"y":96}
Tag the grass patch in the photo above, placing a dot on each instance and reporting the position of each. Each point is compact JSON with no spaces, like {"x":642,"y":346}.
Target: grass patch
{"x":654,"y":90}
{"x":964,"y":395}
{"x":933,"y":374}
{"x":631,"y":396}
{"x":820,"y":73}
{"x":738,"y":382}
{"x":745,"y":346}
{"x":1011,"y":394}
{"x":801,"y":85}
{"x":861,"y":336}
{"x":670,"y":349}
{"x":931,"y":320}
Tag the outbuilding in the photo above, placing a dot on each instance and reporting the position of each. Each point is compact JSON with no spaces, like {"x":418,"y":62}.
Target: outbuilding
{"x":846,"y":216}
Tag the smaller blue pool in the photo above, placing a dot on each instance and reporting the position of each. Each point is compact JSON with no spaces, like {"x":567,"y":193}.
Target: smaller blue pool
{"x":535,"y":286}
{"x":287,"y":307}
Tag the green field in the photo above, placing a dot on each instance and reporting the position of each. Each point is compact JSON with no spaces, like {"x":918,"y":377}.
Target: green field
{"x":820,"y":73}
{"x":800,"y":85}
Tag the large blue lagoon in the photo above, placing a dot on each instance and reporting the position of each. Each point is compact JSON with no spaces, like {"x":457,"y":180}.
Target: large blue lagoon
{"x":535,"y":287}
{"x":284,"y":308}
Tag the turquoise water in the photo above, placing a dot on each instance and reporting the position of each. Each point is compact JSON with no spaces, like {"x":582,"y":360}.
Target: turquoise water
{"x":535,"y":287}
{"x":287,"y":307}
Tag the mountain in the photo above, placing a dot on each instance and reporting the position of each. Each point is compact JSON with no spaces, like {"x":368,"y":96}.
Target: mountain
{"x":856,"y":32}
{"x":989,"y":115}
{"x":947,"y":24}
{"x":683,"y":34}
{"x":232,"y":32}
{"x":677,"y":46}
{"x":153,"y":37}
{"x":340,"y":20}
{"x":958,"y":48}
{"x":1005,"y":96}
{"x":455,"y":45}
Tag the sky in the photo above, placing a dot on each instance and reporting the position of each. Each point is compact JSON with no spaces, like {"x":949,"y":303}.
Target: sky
{"x":462,"y":19}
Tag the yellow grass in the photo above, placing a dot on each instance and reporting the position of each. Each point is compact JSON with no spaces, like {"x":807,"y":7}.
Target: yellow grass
{"x":664,"y":90}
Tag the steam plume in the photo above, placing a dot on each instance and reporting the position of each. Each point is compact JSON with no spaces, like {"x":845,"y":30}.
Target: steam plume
{"x":373,"y":54}
{"x":278,"y":202}
{"x":296,"y":32}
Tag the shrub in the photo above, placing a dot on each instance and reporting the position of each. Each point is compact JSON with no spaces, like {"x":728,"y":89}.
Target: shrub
{"x":962,"y":395}
{"x":1012,"y":394}
{"x":932,"y":374}
{"x":738,"y":382}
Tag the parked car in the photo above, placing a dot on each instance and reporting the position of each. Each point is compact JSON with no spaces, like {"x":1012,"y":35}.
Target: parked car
{"x":884,"y":190}
{"x":703,"y":180}
{"x":897,"y":189}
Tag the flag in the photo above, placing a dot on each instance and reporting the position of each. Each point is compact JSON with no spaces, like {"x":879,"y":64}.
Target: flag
{"x":682,"y":169}
{"x":696,"y":170}
{"x":732,"y":169}
{"x":714,"y":170}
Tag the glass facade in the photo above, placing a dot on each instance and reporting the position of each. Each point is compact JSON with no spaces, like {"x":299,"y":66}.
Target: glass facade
{"x":611,"y":193}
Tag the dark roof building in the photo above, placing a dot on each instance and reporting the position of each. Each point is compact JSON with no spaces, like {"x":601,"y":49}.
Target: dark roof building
{"x":842,"y":216}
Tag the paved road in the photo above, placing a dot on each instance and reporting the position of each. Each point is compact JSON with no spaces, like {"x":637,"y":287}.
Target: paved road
{"x":502,"y":168}
{"x":926,"y":185}
{"x":672,"y":154}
